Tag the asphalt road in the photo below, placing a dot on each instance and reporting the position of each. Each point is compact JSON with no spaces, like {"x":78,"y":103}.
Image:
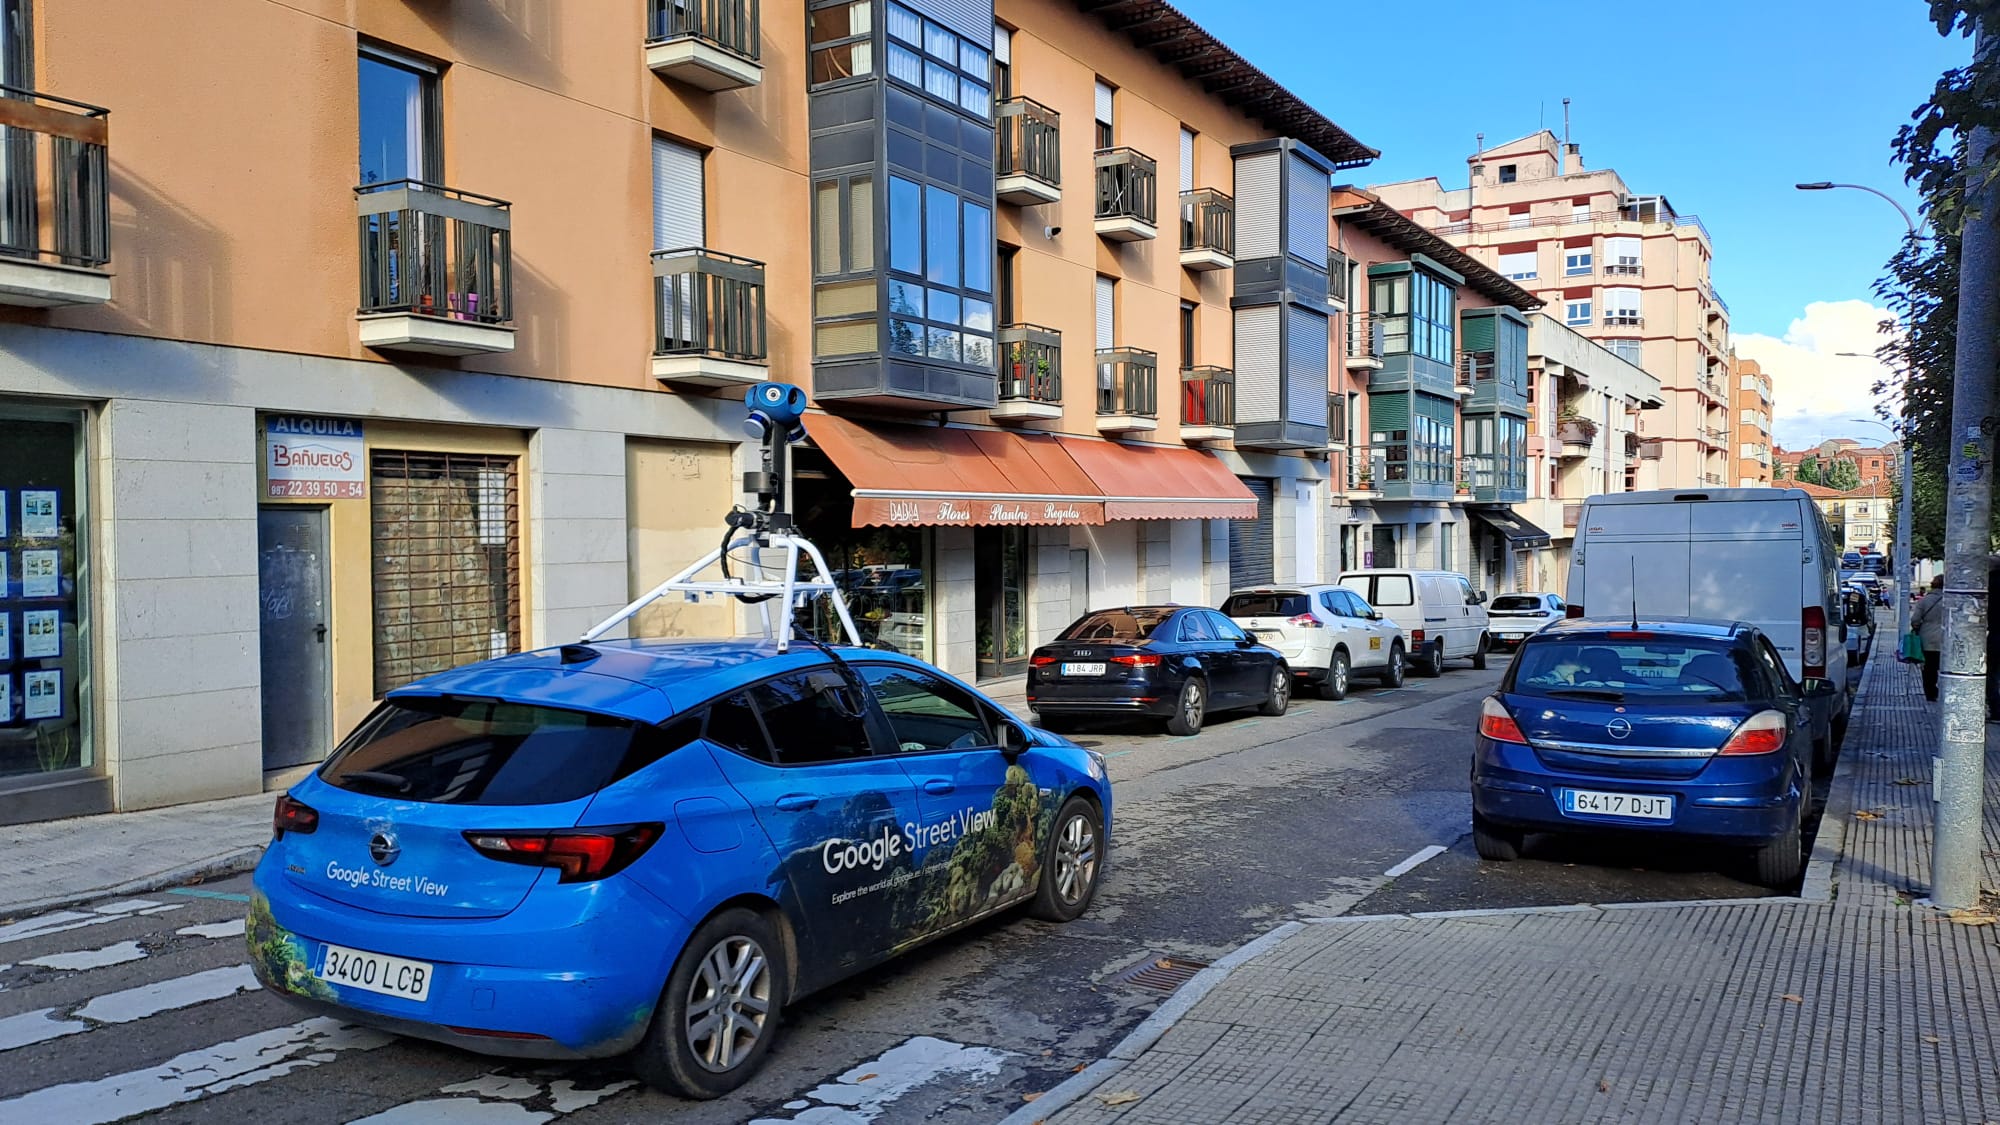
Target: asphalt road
{"x":147,"y":1010}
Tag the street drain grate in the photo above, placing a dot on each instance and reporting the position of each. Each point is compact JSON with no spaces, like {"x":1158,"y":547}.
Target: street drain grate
{"x":1163,"y":974}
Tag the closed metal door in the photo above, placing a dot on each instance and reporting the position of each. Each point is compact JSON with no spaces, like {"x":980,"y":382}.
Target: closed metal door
{"x":292,"y":635}
{"x":1252,"y":542}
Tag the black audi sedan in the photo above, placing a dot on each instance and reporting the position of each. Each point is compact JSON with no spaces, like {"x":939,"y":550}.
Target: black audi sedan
{"x":1173,"y":662}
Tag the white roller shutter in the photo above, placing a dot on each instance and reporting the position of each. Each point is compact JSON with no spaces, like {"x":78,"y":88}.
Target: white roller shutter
{"x":1306,"y":368}
{"x":1306,"y":217}
{"x":1258,"y":374}
{"x":1187,"y":159}
{"x":1622,"y":251}
{"x":1104,"y":102}
{"x":1518,"y":266}
{"x":1107,"y":307}
{"x":1003,"y":45}
{"x":1257,"y":206}
{"x":678,"y":199}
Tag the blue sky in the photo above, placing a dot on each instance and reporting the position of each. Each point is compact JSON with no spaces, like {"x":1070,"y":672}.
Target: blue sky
{"x":1720,"y":105}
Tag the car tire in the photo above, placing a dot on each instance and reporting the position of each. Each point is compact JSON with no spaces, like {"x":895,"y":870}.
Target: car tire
{"x":1337,"y":678}
{"x":1190,"y":708}
{"x":1392,"y":675}
{"x":1479,"y":656}
{"x":1778,"y":863}
{"x":1431,"y":663}
{"x":1074,"y":859}
{"x":1493,"y":842}
{"x":1280,"y":697}
{"x":735,"y":949}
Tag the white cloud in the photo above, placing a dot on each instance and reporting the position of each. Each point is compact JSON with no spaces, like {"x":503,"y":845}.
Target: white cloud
{"x":1818,"y":391}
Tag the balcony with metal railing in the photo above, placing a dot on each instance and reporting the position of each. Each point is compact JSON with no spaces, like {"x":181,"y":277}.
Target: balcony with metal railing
{"x":1208,"y":404}
{"x":1127,"y":203}
{"x":1624,"y":269}
{"x":1027,"y":165}
{"x":55,"y":226}
{"x":1208,"y":230}
{"x":1362,"y":481}
{"x":1127,"y":390}
{"x":1623,"y":318}
{"x":710,"y":326}
{"x":437,"y":269}
{"x":1364,"y":342}
{"x":1030,"y":373}
{"x":1577,"y":435}
{"x":1631,"y":446}
{"x":713,"y":45}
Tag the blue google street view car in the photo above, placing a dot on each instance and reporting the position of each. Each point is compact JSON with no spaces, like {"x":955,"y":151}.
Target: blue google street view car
{"x":653,"y":846}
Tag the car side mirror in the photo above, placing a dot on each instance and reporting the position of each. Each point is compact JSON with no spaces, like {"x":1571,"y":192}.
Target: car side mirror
{"x":1013,"y":741}
{"x":1479,"y":597}
{"x":1246,"y":642}
{"x":1817,"y":688}
{"x":1374,"y":615}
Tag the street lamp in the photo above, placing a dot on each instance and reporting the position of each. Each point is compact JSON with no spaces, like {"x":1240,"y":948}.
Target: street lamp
{"x":1905,"y":574}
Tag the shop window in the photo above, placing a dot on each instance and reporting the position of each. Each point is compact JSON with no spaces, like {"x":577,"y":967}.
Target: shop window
{"x":44,"y":595}
{"x":447,"y":549}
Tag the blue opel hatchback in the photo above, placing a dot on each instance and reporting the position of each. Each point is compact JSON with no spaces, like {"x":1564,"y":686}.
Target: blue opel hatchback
{"x":1673,"y":727}
{"x":653,"y":846}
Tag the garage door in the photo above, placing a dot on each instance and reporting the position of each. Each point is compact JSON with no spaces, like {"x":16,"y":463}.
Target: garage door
{"x":1253,"y":543}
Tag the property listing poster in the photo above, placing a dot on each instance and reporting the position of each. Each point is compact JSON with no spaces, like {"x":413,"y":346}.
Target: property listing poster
{"x":41,"y":634}
{"x":43,"y":692}
{"x":6,"y":641}
{"x":6,"y":699}
{"x":45,"y":537}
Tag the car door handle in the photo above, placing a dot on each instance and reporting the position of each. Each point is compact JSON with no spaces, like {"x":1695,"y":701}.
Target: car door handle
{"x":939,"y":785}
{"x":795,"y":802}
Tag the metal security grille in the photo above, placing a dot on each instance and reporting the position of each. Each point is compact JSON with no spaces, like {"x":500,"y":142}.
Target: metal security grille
{"x":1252,"y":543}
{"x":447,"y":547}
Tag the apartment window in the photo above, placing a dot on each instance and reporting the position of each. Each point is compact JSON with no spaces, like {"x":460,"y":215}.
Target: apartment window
{"x":1009,"y":259}
{"x":1107,"y":313}
{"x":1622,"y":252}
{"x":1579,"y":211}
{"x":1517,"y":216}
{"x":1576,"y":313}
{"x":1621,"y":306}
{"x":1187,"y":159}
{"x":1105,"y":132}
{"x":951,"y":69}
{"x":400,"y":115}
{"x":1508,"y":173}
{"x":679,"y":201}
{"x":1628,"y":350}
{"x":17,"y":55}
{"x":1519,"y":266}
{"x":942,"y":308}
{"x":1415,"y":311}
{"x":1187,"y":334}
{"x":843,"y":225}
{"x":841,"y":42}
{"x":1576,"y":263}
{"x":1003,"y":63}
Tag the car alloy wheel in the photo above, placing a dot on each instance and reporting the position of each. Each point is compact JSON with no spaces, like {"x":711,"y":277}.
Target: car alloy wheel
{"x":1281,"y":692}
{"x":1190,"y":710}
{"x":1336,"y":677}
{"x":1076,"y":860}
{"x":728,"y":1002}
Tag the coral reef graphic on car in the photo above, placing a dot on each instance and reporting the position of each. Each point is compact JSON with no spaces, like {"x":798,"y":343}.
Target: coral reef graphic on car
{"x":278,"y":956}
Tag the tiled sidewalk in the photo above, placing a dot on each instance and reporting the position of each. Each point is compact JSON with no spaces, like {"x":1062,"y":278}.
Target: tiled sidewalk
{"x":60,"y":862}
{"x":1865,"y":1007}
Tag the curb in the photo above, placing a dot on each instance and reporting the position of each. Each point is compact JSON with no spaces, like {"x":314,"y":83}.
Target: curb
{"x":1831,"y":838}
{"x":228,"y":863}
{"x":1077,"y":1086}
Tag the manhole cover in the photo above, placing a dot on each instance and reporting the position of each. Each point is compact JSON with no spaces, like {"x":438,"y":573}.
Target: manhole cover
{"x":1163,"y":974}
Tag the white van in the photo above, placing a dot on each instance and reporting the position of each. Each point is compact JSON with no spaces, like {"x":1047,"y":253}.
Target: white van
{"x":1441,"y":616}
{"x":1764,"y":556}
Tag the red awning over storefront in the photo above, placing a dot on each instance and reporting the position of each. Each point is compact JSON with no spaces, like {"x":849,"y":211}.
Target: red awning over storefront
{"x":927,"y":476}
{"x":1157,"y":482}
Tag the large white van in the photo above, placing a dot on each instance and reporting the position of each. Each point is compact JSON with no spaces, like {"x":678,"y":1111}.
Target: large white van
{"x":1441,"y":616}
{"x":1764,"y":556}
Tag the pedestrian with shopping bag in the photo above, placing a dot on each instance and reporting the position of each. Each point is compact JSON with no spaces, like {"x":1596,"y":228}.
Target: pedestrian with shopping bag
{"x":1927,"y":630}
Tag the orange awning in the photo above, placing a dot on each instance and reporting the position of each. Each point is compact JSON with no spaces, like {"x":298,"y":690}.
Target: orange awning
{"x":1158,"y":482}
{"x":935,"y":475}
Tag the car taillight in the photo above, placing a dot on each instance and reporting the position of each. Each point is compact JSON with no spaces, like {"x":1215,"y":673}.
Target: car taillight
{"x":1040,"y":661}
{"x":581,"y":854}
{"x":1416,"y":636}
{"x":1495,"y":723}
{"x":1307,"y":621}
{"x":1812,"y":650}
{"x":1761,"y":733}
{"x":293,"y":815}
{"x":1136,"y":660}
{"x":1573,"y":610}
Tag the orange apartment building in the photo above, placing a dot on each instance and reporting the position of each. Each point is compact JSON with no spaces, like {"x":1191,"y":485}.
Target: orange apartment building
{"x":1623,"y":269}
{"x":1750,"y":414}
{"x":341,"y":342}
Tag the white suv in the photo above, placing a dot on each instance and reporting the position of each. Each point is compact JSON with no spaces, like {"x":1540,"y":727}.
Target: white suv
{"x":1513,"y":618}
{"x":1325,"y":632}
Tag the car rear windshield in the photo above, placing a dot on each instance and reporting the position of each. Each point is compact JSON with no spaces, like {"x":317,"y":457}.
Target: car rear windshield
{"x":1651,"y":666}
{"x":1266,"y":605}
{"x":454,"y":751}
{"x":1129,"y":625}
{"x":1517,"y":603}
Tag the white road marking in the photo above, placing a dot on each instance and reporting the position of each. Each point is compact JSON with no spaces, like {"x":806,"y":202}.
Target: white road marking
{"x":231,"y":928}
{"x":862,"y":1094}
{"x":209,"y":1070}
{"x":125,"y":1006}
{"x":90,"y":958}
{"x":1412,"y":863}
{"x":62,"y":920}
{"x":125,"y":906}
{"x":495,"y":1101}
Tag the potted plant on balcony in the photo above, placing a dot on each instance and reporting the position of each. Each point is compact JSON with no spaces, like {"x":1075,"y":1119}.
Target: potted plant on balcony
{"x":1364,"y":479}
{"x":1465,"y":488}
{"x":1574,"y":428}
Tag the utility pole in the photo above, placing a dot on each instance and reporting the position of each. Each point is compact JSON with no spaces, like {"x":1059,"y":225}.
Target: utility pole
{"x":1959,"y":780}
